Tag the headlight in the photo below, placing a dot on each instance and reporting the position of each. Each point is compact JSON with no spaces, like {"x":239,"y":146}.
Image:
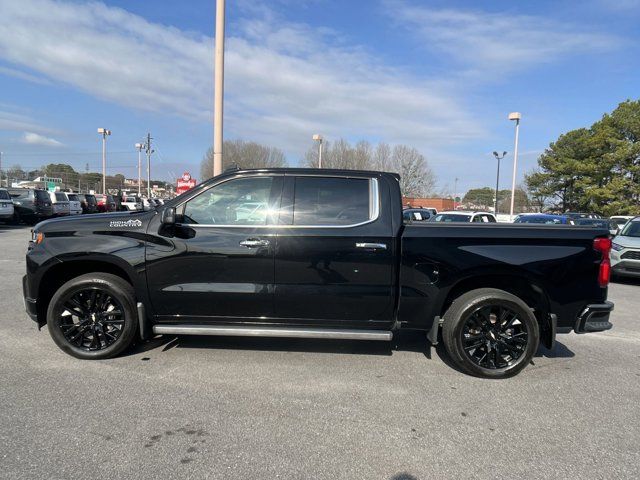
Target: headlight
{"x":616,"y":247}
{"x":37,"y":237}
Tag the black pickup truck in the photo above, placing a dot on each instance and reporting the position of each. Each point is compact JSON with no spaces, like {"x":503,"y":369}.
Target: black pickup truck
{"x":315,"y":254}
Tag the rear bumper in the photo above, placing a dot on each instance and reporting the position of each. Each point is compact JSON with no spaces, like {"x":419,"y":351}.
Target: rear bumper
{"x":627,"y":268}
{"x":30,"y":304}
{"x":594,"y":318}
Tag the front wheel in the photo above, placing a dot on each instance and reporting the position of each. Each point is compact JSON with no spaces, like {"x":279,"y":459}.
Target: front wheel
{"x":490,"y":333}
{"x":93,"y":316}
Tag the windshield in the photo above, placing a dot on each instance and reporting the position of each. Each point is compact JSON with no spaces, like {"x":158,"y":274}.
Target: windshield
{"x":593,"y":222}
{"x":4,"y":195}
{"x":632,"y":229}
{"x":61,"y":197}
{"x":72,"y":197}
{"x":451,"y":217}
{"x":130,"y":199}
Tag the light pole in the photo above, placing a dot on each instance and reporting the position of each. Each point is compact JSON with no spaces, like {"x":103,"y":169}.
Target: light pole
{"x":104,"y":132}
{"x":498,"y":157}
{"x":516,"y":116}
{"x":218,"y":92}
{"x":139,"y":146}
{"x":455,"y":190}
{"x":318,"y":138}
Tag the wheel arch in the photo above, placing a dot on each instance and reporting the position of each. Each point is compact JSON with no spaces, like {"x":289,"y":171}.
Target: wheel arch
{"x":523,"y":286}
{"x":60,"y":273}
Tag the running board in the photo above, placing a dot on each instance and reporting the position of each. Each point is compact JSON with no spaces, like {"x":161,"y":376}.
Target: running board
{"x":244,"y":331}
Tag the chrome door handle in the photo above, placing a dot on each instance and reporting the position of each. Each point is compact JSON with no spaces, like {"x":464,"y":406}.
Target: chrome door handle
{"x":255,"y":243}
{"x":372,"y":246}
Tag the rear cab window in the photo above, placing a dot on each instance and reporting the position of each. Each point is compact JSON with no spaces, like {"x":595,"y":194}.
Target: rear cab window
{"x":326,"y":201}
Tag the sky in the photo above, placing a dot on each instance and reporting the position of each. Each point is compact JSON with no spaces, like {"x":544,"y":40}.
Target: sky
{"x":441,"y":76}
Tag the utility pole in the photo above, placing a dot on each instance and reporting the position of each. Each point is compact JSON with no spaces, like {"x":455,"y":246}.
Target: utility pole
{"x":149,"y":151}
{"x":455,"y":189}
{"x":1,"y":172}
{"x":218,"y":89}
{"x":139,"y":146}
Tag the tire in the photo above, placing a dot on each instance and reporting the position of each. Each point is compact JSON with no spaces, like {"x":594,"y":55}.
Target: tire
{"x":490,"y":333}
{"x":90,"y":325}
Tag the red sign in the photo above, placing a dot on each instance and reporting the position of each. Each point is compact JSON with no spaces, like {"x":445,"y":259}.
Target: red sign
{"x":186,"y":182}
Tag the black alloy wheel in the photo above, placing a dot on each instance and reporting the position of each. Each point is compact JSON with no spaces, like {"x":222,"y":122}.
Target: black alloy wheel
{"x":494,"y":336}
{"x":490,"y":333}
{"x":93,"y":316}
{"x":91,"y":319}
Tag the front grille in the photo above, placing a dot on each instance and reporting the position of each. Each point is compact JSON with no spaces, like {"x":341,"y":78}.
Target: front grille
{"x":631,"y":255}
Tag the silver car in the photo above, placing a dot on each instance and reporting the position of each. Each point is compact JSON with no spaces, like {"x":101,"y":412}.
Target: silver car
{"x":625,"y":250}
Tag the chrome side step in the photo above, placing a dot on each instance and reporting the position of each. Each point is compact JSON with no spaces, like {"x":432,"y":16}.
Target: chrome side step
{"x":243,"y":331}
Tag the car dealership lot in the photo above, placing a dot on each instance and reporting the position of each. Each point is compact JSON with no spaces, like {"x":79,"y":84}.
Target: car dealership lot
{"x":262,"y":408}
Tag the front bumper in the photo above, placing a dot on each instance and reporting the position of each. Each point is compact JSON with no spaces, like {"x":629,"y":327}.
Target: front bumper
{"x":594,"y":318}
{"x":30,"y":304}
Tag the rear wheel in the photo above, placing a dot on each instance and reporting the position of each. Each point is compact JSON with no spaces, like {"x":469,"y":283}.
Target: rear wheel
{"x":93,"y":316}
{"x":490,"y":333}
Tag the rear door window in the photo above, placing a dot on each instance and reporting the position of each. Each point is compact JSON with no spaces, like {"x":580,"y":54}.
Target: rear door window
{"x":4,"y":195}
{"x":331,"y":201}
{"x":42,"y":195}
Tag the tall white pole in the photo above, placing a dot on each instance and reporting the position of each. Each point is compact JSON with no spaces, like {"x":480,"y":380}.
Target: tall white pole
{"x":104,"y":163}
{"x":320,"y":154}
{"x":515,"y":168}
{"x":139,"y":169}
{"x":218,"y":89}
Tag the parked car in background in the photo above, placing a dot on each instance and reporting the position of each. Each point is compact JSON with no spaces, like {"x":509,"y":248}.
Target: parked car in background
{"x":544,"y":219}
{"x":416,"y":215}
{"x":75,"y":206}
{"x":6,"y":206}
{"x":465,"y":217}
{"x":147,"y":205}
{"x":131,"y":203}
{"x":598,"y":223}
{"x":30,"y":205}
{"x":577,"y":215}
{"x":105,"y":203}
{"x":88,"y":203}
{"x":620,"y":220}
{"x":60,"y":203}
{"x":625,"y":250}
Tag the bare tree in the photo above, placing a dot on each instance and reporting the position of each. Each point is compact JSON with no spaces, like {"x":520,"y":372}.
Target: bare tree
{"x":416,"y":178}
{"x":244,"y":155}
{"x":382,"y":157}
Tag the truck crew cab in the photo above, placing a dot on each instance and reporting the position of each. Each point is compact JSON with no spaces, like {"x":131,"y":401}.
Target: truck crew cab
{"x":317,"y":254}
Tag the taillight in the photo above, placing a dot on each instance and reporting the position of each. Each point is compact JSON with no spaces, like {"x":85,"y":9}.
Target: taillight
{"x":603,"y":245}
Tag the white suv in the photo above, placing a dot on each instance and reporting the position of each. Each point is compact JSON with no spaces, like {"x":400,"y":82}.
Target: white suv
{"x":461,"y":216}
{"x":131,"y":203}
{"x":75,"y":206}
{"x":625,"y":250}
{"x":6,"y":206}
{"x":60,"y":204}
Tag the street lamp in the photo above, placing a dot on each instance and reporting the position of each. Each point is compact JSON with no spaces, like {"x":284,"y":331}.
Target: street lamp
{"x":139,"y":146}
{"x":515,"y":116}
{"x":498,"y":157}
{"x":104,"y":132}
{"x":318,"y":138}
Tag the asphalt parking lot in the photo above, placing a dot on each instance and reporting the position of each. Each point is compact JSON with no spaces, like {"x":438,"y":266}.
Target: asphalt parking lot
{"x":270,"y":408}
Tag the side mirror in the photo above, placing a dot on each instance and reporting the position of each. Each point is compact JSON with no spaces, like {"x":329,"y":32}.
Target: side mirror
{"x":169,"y":216}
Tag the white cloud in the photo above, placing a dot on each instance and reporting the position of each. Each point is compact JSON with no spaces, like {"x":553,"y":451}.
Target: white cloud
{"x":284,"y":81}
{"x":496,"y":42}
{"x":32,"y":138}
